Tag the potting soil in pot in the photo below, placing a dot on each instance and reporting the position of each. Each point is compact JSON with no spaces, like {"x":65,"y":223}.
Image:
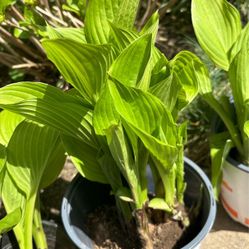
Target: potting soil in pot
{"x":104,"y":228}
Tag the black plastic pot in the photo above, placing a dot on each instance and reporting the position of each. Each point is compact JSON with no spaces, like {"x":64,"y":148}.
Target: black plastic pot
{"x":83,"y":196}
{"x":8,"y":240}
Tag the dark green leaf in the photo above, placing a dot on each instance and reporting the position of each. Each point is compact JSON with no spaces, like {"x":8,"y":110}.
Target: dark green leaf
{"x":85,"y":159}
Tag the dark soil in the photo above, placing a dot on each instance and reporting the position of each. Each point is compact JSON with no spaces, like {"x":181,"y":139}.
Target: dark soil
{"x":104,"y":228}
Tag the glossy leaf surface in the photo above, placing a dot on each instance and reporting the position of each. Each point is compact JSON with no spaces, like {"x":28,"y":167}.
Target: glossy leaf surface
{"x":86,"y":64}
{"x":217,"y":25}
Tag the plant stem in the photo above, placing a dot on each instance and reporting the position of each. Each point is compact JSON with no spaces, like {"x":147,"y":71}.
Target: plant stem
{"x":143,"y":228}
{"x":38,"y":232}
{"x":234,"y":133}
{"x":28,"y":221}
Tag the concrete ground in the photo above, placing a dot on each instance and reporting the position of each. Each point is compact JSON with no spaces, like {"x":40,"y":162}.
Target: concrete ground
{"x":226,"y":233}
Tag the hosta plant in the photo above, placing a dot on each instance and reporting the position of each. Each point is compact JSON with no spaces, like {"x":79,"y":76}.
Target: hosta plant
{"x":218,"y":27}
{"x":31,"y":158}
{"x":121,"y":114}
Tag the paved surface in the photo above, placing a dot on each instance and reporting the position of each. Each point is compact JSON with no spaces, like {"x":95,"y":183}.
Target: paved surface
{"x":226,"y":233}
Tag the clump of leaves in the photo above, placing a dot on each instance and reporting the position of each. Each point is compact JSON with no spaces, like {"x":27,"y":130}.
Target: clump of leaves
{"x":122,"y":113}
{"x":220,"y":33}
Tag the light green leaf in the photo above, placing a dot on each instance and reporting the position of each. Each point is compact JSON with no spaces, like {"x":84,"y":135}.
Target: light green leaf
{"x":100,"y":12}
{"x":10,"y":220}
{"x":148,"y":118}
{"x":122,"y":154}
{"x":34,"y":101}
{"x":126,"y":14}
{"x":160,"y":70}
{"x":131,"y":65}
{"x":167,"y":91}
{"x":85,"y":159}
{"x":12,"y":202}
{"x":159,"y":203}
{"x":105,"y":114}
{"x":2,"y":162}
{"x":124,"y":194}
{"x":8,"y":122}
{"x":151,"y":27}
{"x":220,"y":147}
{"x":217,"y":25}
{"x":180,"y":182}
{"x":239,"y":81}
{"x":75,"y":34}
{"x":246,"y":128}
{"x":191,"y":75}
{"x":54,"y":165}
{"x":121,"y":38}
{"x":86,"y":65}
{"x":28,"y":154}
{"x":3,"y":5}
{"x":243,"y":40}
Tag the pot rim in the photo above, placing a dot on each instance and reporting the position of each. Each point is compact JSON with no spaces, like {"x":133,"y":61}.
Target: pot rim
{"x":237,"y":164}
{"x":66,"y":208}
{"x":212,"y":206}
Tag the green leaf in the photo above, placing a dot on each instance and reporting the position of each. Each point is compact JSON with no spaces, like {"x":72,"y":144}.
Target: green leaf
{"x":151,"y":27}
{"x":148,"y":118}
{"x":76,"y":6}
{"x":75,"y":34}
{"x":243,"y":39}
{"x":124,"y":194}
{"x":217,"y":25}
{"x":2,"y":162}
{"x":131,"y":65}
{"x":3,"y":5}
{"x":121,"y":38}
{"x":10,"y":220}
{"x":122,"y":154}
{"x":54,"y":166}
{"x":85,"y":159}
{"x":220,"y":147}
{"x":12,"y":202}
{"x":86,"y":65}
{"x":126,"y":14}
{"x":191,"y":75}
{"x":105,"y":114}
{"x":167,"y":91}
{"x":110,"y":169}
{"x":246,"y":128}
{"x":32,"y":17}
{"x":100,"y":12}
{"x":8,"y":122}
{"x":180,"y":182}
{"x":34,"y":101}
{"x":239,"y":81}
{"x":160,"y":70}
{"x":159,"y":203}
{"x":28,"y":154}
